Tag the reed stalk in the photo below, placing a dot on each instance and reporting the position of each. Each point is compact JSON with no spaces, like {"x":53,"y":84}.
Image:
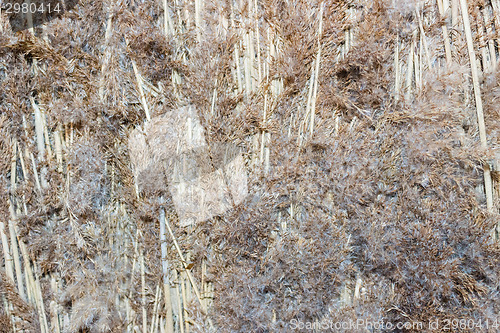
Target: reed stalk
{"x":423,"y":40}
{"x":9,"y":265}
{"x":257,"y":37}
{"x":214,"y":99}
{"x":479,"y":104}
{"x":35,"y":172}
{"x":491,"y":43}
{"x":454,"y":13}
{"x":198,"y":9}
{"x":154,"y":317}
{"x":107,"y":55}
{"x":446,"y":38}
{"x":204,"y":283}
{"x":185,"y":314}
{"x":12,"y":229}
{"x":316,"y":74}
{"x":130,"y":313}
{"x":54,"y":313}
{"x":247,"y":65}
{"x":189,"y":297}
{"x":179,"y":301}
{"x":495,"y":4}
{"x":165,"y":268}
{"x":143,"y":293}
{"x":185,"y":265}
{"x":38,"y":128}
{"x":418,"y":68}
{"x":44,"y":326}
{"x":263,"y":134}
{"x":410,"y":67}
{"x":267,"y":164}
{"x":141,"y":91}
{"x":480,"y":30}
{"x":238,"y":70}
{"x":58,"y":146}
{"x":397,"y":80}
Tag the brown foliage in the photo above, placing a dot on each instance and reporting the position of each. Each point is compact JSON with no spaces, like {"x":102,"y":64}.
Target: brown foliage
{"x":378,"y":215}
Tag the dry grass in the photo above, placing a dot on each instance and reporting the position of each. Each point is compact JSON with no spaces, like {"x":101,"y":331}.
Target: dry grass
{"x":369,"y":134}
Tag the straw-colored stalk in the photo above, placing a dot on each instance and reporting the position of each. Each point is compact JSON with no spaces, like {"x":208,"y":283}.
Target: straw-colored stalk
{"x":263,"y":134}
{"x":307,"y":125}
{"x":255,"y":149}
{"x":267,"y":63}
{"x":479,"y":103}
{"x":139,"y":81}
{"x":197,"y":18}
{"x":29,"y":18}
{"x":176,"y":77}
{"x":162,"y":325}
{"x":446,"y":38}
{"x":58,"y":146}
{"x":178,"y":294}
{"x":238,"y":69}
{"x":214,"y":100}
{"x":454,"y":13}
{"x":211,"y":294}
{"x":423,"y":40}
{"x":168,"y":25}
{"x":418,"y":68}
{"x":257,"y":37}
{"x":496,"y":13}
{"x":189,"y":295}
{"x":143,"y":293}
{"x":155,"y":316}
{"x":9,"y":265}
{"x":184,"y":301}
{"x":48,"y":147}
{"x":42,"y":137}
{"x":357,"y":288}
{"x":13,"y":236}
{"x":247,"y":65}
{"x":107,"y":55}
{"x":28,"y":273}
{"x":38,"y":128}
{"x":397,"y":80}
{"x":44,"y":326}
{"x":54,"y":313}
{"x":9,"y":272}
{"x":347,"y":44}
{"x":165,"y":268}
{"x":267,"y":153}
{"x":178,"y":12}
{"x":204,"y":284}
{"x":141,"y":91}
{"x":491,"y":42}
{"x":35,"y":172}
{"x":316,"y":74}
{"x":185,"y":265}
{"x":409,"y":72}
{"x":480,"y":31}
{"x":130,"y":312}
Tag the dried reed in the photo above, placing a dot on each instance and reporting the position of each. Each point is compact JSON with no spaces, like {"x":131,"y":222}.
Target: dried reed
{"x":372,"y":173}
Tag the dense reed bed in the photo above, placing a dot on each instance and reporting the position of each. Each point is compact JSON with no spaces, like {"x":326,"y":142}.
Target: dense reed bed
{"x":369,"y":133}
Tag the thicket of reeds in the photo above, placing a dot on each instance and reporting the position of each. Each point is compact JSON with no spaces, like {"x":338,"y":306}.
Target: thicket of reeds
{"x":370,"y":133}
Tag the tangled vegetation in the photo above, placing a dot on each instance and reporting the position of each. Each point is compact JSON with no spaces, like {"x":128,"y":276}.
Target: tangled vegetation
{"x":369,"y":135}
